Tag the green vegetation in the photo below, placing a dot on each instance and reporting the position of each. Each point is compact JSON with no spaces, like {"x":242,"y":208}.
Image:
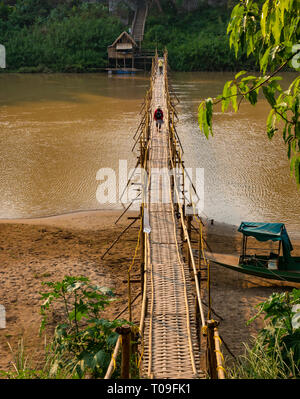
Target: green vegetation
{"x":195,"y":41}
{"x":72,"y":36}
{"x":83,"y":341}
{"x":46,"y":36}
{"x":270,"y":32}
{"x":24,"y":367}
{"x":276,"y":350}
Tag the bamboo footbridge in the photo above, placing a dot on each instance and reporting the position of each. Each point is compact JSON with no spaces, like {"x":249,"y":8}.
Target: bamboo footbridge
{"x":172,"y":316}
{"x":170,"y":310}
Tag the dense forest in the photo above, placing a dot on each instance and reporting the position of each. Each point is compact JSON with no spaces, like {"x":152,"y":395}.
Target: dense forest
{"x":73,"y":35}
{"x":195,"y":40}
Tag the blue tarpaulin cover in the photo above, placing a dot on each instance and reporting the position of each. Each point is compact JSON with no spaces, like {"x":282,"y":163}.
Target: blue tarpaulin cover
{"x":268,"y":231}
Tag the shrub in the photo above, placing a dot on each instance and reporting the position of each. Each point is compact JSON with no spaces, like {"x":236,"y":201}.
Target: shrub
{"x":83,"y":342}
{"x":276,"y":351}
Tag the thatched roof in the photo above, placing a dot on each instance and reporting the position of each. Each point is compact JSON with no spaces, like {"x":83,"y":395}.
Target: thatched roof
{"x":128,"y":36}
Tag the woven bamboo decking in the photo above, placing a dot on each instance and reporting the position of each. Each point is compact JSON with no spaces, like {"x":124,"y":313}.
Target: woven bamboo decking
{"x":171,"y":344}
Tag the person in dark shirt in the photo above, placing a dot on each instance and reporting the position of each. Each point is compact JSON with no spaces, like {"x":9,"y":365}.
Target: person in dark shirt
{"x":159,"y":118}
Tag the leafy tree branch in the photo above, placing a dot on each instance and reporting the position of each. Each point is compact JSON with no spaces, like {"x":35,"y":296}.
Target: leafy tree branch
{"x":268,"y":30}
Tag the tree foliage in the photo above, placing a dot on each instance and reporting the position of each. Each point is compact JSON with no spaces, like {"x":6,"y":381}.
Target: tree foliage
{"x":268,"y":30}
{"x":282,"y":312}
{"x":72,"y":36}
{"x":275,"y":353}
{"x":196,"y":41}
{"x":58,"y":36}
{"x":84,"y":341}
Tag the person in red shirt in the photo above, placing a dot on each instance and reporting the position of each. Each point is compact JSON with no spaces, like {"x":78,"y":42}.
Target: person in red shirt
{"x":159,"y":118}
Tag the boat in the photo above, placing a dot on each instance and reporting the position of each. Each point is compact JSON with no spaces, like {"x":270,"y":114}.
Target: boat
{"x":279,"y":265}
{"x":122,"y":71}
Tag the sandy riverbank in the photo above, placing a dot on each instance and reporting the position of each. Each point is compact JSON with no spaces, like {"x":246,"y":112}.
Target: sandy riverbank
{"x":47,"y":249}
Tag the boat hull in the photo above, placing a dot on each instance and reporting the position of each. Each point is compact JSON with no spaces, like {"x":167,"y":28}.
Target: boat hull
{"x":279,"y":275}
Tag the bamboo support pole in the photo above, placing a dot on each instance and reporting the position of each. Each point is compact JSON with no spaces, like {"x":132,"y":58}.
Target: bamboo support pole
{"x":211,"y":357}
{"x":189,"y":231}
{"x":126,"y":209}
{"x":126,"y":307}
{"x":199,"y":252}
{"x":125,"y":332}
{"x":142,"y":265}
{"x":129,"y":180}
{"x":144,"y":302}
{"x":111,"y":366}
{"x":198,"y":321}
{"x":117,"y":239}
{"x":219,"y":356}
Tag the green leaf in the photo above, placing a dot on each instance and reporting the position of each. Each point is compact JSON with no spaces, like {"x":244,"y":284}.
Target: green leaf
{"x":226,"y":94}
{"x":268,"y":92}
{"x":209,"y":109}
{"x":112,"y":339}
{"x":276,"y":26}
{"x":89,"y":360}
{"x":264,"y":60}
{"x":201,"y":118}
{"x":264,"y":16}
{"x":100,"y":358}
{"x":271,"y":124}
{"x":252,"y":97}
{"x":234,"y":92}
{"x":248,"y":78}
{"x":240,"y":74}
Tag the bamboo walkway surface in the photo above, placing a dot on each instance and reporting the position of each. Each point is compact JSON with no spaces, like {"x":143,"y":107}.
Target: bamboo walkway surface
{"x":171,"y":343}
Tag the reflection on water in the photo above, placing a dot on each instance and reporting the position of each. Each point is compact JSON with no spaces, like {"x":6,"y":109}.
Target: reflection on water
{"x":57,"y":131}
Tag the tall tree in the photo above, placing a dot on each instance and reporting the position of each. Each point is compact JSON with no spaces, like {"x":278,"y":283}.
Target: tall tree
{"x":269,"y":30}
{"x":157,"y":2}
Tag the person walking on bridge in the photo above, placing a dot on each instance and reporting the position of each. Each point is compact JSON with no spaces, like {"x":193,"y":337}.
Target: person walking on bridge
{"x":160,"y":66}
{"x":159,"y":118}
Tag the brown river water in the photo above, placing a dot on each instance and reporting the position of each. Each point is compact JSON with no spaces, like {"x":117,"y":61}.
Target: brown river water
{"x":58,"y":130}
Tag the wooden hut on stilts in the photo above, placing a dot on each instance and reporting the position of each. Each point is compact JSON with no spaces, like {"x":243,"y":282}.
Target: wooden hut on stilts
{"x":121,"y":54}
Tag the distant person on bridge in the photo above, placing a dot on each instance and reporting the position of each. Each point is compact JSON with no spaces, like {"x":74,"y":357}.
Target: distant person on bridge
{"x":159,"y":118}
{"x":160,"y":66}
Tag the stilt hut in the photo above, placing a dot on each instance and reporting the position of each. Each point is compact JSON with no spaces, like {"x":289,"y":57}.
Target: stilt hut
{"x":121,"y":52}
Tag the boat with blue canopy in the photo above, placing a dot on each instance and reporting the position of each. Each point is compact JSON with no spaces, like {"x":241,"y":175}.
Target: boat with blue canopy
{"x":277,"y":265}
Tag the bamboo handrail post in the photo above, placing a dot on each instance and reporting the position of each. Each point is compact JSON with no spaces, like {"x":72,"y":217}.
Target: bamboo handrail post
{"x":142,"y":265}
{"x":183,"y":185}
{"x":189,"y":231}
{"x":125,"y":332}
{"x":219,"y":357}
{"x":111,"y":366}
{"x":199,"y":250}
{"x":211,"y":357}
{"x":198,"y":321}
